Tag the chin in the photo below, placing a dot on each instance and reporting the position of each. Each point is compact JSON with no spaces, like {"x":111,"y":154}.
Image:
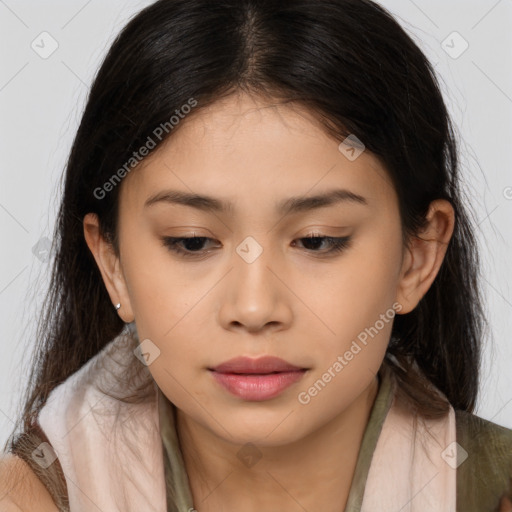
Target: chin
{"x":262,"y":430}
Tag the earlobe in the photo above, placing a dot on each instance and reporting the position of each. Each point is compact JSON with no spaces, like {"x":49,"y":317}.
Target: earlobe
{"x":425,"y":255}
{"x":109,"y":265}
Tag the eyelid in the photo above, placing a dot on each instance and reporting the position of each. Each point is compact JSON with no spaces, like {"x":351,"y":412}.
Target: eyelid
{"x":171,"y":243}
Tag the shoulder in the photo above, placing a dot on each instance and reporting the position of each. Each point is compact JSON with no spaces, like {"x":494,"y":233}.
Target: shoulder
{"x":20,"y":488}
{"x":484,"y":460}
{"x":488,"y":438}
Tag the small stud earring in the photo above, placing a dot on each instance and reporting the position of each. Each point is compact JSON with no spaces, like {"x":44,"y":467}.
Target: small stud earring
{"x":118,"y":306}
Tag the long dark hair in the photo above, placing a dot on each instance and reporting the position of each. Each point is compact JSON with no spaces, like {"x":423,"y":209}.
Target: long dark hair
{"x":352,"y":65}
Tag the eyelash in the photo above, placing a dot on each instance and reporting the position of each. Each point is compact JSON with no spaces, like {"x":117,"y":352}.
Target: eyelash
{"x":338,"y":244}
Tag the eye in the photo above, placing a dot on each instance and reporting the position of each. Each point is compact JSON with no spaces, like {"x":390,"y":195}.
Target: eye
{"x":334,"y":244}
{"x":193,"y":245}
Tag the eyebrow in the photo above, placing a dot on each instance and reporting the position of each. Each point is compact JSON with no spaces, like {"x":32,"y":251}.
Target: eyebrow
{"x":291,"y":205}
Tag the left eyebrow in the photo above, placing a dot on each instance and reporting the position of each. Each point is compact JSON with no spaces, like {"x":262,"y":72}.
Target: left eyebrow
{"x":295,"y":204}
{"x":329,"y":198}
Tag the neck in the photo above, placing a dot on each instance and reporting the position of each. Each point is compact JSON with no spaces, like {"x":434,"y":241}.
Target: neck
{"x":313,"y":473}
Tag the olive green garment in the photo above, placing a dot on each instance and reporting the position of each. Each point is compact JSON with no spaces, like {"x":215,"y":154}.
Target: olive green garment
{"x":482,"y":479}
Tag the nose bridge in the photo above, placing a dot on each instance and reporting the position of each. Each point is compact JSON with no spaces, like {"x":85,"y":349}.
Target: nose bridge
{"x":251,"y":263}
{"x":250,"y":250}
{"x":253,"y":297}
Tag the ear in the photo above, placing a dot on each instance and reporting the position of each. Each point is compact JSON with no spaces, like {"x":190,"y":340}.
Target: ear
{"x":109,"y":266}
{"x":425,"y":255}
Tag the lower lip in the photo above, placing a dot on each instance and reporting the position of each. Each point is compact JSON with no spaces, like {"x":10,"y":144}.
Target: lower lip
{"x":257,"y":387}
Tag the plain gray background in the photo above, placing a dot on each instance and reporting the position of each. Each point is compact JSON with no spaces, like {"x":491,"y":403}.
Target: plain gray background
{"x":42,"y":97}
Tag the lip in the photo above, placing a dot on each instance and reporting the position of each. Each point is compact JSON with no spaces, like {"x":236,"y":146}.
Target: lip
{"x":257,"y":379}
{"x":264,"y":364}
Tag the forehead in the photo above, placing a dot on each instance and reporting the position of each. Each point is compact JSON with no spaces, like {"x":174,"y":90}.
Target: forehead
{"x":243,"y":148}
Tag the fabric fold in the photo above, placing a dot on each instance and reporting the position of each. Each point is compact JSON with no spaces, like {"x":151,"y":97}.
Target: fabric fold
{"x":110,"y":450}
{"x":413,"y":468}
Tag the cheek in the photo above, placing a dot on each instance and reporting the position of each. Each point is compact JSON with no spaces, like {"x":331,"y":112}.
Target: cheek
{"x":357,"y":306}
{"x":159,"y":287}
{"x":355,"y":290}
{"x":165,"y":304}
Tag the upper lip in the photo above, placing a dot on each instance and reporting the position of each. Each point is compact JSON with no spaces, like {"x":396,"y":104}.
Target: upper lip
{"x":265,"y":364}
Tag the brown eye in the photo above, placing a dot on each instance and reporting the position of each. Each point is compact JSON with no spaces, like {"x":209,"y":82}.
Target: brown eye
{"x":334,"y":244}
{"x":192,"y":245}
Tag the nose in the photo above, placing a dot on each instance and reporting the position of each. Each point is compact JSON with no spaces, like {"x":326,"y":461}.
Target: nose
{"x":254,"y":296}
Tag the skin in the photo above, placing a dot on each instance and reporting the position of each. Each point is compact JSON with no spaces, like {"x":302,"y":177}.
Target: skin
{"x":294,"y":301}
{"x":20,"y":489}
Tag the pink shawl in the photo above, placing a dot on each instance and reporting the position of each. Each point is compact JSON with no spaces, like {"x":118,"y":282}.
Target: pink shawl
{"x":112,"y":456}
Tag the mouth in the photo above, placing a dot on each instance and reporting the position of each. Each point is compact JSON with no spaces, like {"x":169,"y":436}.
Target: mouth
{"x":256,"y":379}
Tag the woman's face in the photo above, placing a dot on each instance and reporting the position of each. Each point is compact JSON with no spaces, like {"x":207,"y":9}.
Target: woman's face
{"x":255,"y":285}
